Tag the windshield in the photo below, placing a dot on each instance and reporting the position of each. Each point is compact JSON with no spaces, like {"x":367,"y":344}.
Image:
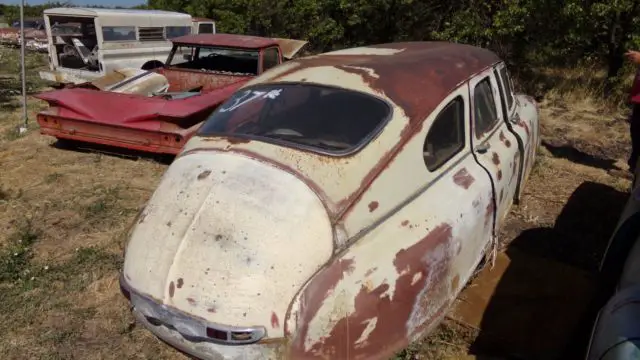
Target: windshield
{"x":314,"y":116}
{"x":223,"y":60}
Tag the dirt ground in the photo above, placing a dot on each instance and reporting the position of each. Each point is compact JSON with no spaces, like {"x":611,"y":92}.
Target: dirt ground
{"x":63,"y":215}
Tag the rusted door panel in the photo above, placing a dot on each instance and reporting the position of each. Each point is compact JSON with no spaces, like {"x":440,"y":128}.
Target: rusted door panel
{"x":515,"y":124}
{"x":496,"y":148}
{"x":396,"y":283}
{"x":397,"y":280}
{"x":527,"y":123}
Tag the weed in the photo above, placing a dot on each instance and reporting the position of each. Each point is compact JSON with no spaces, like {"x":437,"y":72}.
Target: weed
{"x":14,"y":259}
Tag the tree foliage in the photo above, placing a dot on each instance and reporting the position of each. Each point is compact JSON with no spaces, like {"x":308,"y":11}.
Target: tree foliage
{"x":530,"y":33}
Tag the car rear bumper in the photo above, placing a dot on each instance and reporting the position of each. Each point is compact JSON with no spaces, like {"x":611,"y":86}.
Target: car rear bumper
{"x":212,"y":351}
{"x":159,"y":142}
{"x":145,"y":310}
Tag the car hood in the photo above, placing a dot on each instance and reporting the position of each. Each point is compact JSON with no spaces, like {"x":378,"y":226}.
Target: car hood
{"x":228,"y":239}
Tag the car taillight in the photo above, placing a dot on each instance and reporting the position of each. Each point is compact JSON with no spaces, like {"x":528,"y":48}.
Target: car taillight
{"x":238,"y":337}
{"x":216,"y":334}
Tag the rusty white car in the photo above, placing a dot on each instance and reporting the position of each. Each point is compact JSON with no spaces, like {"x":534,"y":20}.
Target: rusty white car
{"x":334,"y":206}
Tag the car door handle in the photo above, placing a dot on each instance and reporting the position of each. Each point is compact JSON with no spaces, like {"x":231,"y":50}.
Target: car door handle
{"x":482,"y":148}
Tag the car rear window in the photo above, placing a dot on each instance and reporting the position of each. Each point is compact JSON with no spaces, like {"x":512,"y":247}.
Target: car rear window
{"x":318,"y":117}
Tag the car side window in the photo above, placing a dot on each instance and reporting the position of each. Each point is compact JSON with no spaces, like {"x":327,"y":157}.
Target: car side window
{"x":270,"y":59}
{"x":508,"y":88}
{"x":446,"y":135}
{"x":484,"y":107}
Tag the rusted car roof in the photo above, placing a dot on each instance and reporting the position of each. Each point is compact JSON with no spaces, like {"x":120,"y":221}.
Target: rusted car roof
{"x":226,"y":40}
{"x":417,"y":76}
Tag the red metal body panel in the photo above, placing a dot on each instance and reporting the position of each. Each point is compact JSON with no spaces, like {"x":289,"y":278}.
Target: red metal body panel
{"x":138,"y":122}
{"x":131,"y":121}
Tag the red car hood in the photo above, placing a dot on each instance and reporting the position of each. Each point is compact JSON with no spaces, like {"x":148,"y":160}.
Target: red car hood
{"x":127,"y":109}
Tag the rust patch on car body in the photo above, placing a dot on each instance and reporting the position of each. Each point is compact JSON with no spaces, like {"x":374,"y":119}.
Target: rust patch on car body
{"x":495,"y":158}
{"x":504,"y":139}
{"x":275,"y":322}
{"x":373,"y":206}
{"x":180,"y":283}
{"x":445,"y":66}
{"x":237,"y":140}
{"x":172,"y":289}
{"x":463,"y":178}
{"x":524,"y":125}
{"x":442,"y":65}
{"x":488,"y":218}
{"x":499,"y":174}
{"x":418,"y":281}
{"x":404,"y":223}
{"x":314,"y":294}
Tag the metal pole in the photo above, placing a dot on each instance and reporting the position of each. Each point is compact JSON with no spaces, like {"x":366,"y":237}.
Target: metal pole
{"x":23,"y":128}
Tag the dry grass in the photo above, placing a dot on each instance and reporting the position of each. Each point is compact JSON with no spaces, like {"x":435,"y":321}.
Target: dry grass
{"x":63,"y":214}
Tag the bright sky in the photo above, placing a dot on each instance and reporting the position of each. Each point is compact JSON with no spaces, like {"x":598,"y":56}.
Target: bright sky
{"x":81,"y":2}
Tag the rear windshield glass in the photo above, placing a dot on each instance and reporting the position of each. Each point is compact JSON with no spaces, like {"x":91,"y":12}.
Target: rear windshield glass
{"x":313,"y":116}
{"x":221,"y":60}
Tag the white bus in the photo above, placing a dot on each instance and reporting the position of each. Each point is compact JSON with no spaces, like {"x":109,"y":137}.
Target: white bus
{"x":87,"y":43}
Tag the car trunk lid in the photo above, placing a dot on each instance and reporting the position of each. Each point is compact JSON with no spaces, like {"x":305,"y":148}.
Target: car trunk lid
{"x":228,"y":239}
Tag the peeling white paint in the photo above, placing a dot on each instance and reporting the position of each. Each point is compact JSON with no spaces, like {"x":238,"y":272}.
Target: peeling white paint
{"x":416,"y":278}
{"x":337,"y":177}
{"x":411,"y":204}
{"x":238,"y":236}
{"x":371,"y":325}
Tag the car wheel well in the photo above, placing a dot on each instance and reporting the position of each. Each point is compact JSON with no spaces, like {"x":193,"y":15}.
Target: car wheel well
{"x":153,"y":64}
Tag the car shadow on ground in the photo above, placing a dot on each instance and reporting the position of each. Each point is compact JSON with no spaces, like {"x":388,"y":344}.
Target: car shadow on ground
{"x":574,"y":155}
{"x":122,"y":153}
{"x":545,"y":303}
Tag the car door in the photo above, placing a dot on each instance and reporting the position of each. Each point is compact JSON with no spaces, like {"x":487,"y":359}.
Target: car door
{"x":460,"y":186}
{"x":514,"y":122}
{"x":493,"y":144}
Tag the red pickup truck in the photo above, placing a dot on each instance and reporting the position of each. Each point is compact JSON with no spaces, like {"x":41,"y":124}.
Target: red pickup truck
{"x":202,"y":71}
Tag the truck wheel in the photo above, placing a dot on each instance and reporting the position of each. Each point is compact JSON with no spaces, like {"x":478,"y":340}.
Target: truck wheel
{"x":150,"y":65}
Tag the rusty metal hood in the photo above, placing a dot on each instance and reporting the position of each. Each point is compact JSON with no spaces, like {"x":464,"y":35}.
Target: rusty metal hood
{"x":290,"y":47}
{"x":228,"y":239}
